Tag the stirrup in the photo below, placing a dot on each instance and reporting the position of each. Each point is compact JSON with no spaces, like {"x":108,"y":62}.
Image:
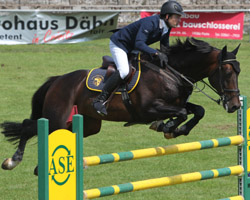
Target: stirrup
{"x":100,"y":108}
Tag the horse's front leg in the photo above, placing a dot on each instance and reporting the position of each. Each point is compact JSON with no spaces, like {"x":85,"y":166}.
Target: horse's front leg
{"x":169,"y":112}
{"x":170,"y":127}
{"x":198,"y":112}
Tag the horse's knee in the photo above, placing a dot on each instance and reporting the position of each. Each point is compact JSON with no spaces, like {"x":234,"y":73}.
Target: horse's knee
{"x":199,"y":112}
{"x":183,"y":114}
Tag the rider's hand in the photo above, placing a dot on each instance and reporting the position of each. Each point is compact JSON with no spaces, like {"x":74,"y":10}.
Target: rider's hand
{"x":162,"y":58}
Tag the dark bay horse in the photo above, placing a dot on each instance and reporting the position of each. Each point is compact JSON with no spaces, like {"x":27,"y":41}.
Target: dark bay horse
{"x":160,"y":94}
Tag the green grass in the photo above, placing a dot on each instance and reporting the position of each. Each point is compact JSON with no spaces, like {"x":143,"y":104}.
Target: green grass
{"x":23,"y":68}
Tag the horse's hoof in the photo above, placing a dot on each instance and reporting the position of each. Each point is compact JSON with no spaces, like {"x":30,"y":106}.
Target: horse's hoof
{"x":9,"y":164}
{"x":156,"y":125}
{"x":85,"y":165}
{"x":36,"y":171}
{"x":169,"y":135}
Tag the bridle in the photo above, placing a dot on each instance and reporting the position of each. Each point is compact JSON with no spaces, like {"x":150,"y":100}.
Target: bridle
{"x":223,"y":98}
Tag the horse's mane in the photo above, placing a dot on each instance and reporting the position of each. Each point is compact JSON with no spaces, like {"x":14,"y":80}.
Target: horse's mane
{"x":189,"y":45}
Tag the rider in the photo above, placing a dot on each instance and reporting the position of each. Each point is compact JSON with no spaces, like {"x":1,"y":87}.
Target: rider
{"x":137,"y":36}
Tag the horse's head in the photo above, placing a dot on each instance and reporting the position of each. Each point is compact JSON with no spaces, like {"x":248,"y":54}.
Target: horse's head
{"x":197,"y":60}
{"x":225,"y":79}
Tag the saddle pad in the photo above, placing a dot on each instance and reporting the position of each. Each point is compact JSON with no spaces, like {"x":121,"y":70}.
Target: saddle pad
{"x":95,"y":80}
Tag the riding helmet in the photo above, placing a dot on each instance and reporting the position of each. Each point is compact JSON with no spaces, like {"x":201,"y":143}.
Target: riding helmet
{"x":171,"y":7}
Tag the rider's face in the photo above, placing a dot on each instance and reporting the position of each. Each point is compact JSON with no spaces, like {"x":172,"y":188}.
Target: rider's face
{"x":173,"y":20}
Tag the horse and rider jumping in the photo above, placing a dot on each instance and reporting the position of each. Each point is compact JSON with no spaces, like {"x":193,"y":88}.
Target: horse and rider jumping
{"x":166,"y":82}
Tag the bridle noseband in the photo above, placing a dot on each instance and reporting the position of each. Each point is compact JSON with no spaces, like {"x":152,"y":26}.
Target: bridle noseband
{"x":223,"y":97}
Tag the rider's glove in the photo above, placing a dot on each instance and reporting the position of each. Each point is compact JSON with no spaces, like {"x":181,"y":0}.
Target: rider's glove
{"x":162,"y":58}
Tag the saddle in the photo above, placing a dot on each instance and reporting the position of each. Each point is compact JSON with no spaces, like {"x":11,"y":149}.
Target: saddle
{"x":97,"y":77}
{"x":109,"y":64}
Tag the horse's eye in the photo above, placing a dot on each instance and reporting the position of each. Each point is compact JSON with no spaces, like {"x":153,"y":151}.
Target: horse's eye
{"x":228,"y":73}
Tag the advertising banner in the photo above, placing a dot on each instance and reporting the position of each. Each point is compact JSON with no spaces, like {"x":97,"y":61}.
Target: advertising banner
{"x":52,"y":27}
{"x":209,"y":25}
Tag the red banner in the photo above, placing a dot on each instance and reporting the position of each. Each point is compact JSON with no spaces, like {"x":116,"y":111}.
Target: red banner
{"x":209,"y":25}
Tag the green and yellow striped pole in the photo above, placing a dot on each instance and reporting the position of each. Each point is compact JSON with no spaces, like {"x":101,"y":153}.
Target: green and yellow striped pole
{"x":234,"y":198}
{"x":160,"y":151}
{"x":164,"y":181}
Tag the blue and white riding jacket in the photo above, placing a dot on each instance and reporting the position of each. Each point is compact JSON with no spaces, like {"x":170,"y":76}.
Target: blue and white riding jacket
{"x":140,"y":34}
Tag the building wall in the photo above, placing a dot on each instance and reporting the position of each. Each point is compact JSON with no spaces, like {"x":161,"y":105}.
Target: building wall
{"x":129,"y":3}
{"x":128,"y":17}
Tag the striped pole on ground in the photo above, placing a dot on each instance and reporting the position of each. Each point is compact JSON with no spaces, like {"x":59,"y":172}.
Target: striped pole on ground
{"x":164,"y":181}
{"x":234,"y":198}
{"x":160,"y":151}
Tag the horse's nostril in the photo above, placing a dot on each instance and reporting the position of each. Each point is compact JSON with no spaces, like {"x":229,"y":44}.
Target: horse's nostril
{"x":234,"y":108}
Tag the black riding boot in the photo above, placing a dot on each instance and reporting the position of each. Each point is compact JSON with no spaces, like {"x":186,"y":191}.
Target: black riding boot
{"x":110,"y":85}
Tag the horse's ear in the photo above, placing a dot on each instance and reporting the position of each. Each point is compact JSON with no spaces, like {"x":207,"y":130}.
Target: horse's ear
{"x":224,"y":52}
{"x":163,"y":48}
{"x":235,"y":51}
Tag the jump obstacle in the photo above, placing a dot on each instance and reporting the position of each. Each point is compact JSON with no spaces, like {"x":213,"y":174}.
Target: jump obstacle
{"x":61,"y":165}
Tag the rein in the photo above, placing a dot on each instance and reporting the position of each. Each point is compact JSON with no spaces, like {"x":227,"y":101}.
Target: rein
{"x":218,"y":101}
{"x":164,"y":72}
{"x":196,"y":87}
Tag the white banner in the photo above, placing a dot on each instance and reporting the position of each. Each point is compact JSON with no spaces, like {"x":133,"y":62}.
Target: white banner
{"x":53,"y":27}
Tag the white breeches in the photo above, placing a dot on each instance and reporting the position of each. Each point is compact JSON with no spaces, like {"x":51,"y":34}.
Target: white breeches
{"x":121,"y":59}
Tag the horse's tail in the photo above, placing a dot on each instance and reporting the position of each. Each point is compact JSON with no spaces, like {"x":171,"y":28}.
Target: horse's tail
{"x":13,"y":131}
